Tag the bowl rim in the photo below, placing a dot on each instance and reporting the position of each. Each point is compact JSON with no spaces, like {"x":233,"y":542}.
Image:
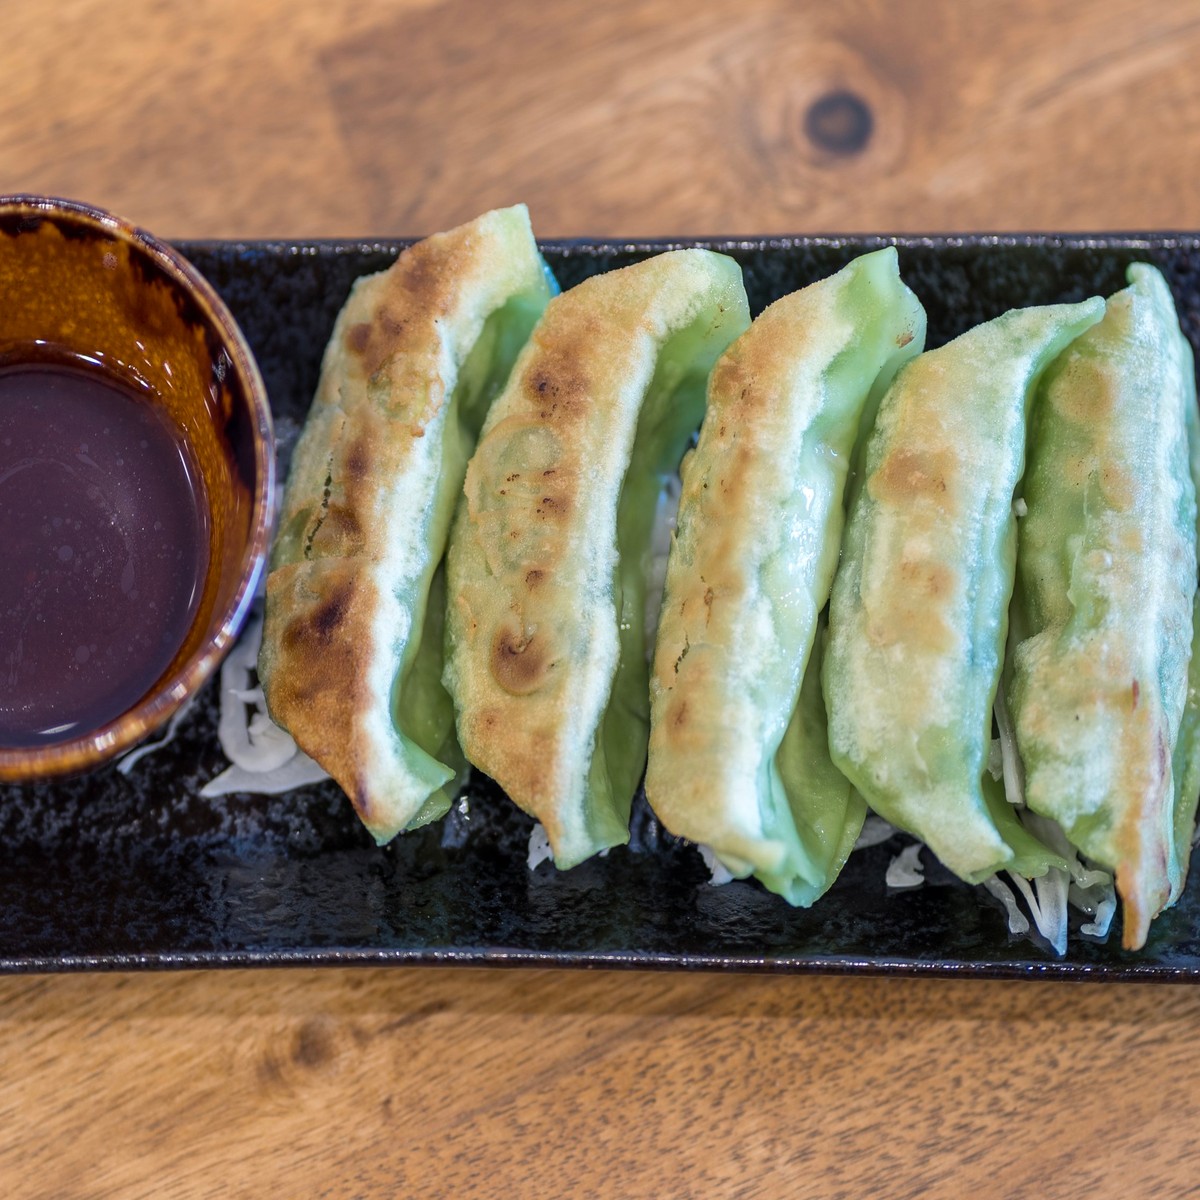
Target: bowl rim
{"x":23,"y":764}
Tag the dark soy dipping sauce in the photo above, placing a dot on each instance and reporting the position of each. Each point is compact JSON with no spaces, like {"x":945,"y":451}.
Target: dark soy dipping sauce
{"x":103,"y":549}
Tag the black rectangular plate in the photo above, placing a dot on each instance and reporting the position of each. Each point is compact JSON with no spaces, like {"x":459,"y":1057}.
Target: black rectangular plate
{"x":108,"y":872}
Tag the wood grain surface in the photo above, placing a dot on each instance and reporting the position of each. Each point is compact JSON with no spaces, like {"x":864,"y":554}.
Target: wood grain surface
{"x":248,"y":118}
{"x":536,"y":1084}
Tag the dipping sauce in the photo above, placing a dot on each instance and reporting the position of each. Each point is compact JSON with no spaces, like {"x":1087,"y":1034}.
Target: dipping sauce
{"x":103,"y":549}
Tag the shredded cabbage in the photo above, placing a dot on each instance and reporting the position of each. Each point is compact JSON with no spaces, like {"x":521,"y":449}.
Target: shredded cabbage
{"x":539,"y":847}
{"x":298,"y":771}
{"x":457,"y":824}
{"x":718,"y":872}
{"x":126,"y":762}
{"x":1017,"y":921}
{"x":995,"y":762}
{"x":1012,"y":769}
{"x":906,"y":870}
{"x":875,"y":830}
{"x":1105,"y":911}
{"x":1046,"y":898}
{"x":265,"y":758}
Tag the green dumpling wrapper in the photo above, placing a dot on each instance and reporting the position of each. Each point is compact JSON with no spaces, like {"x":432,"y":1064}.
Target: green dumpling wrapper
{"x":759,"y":529}
{"x":1186,"y":762}
{"x":550,"y":547}
{"x":351,"y":657}
{"x":823,"y":806}
{"x":919,"y":609}
{"x":1106,"y":584}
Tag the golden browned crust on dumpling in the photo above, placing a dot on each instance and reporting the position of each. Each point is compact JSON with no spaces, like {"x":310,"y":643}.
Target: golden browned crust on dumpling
{"x":532,"y":624}
{"x":364,"y":521}
{"x":318,"y":679}
{"x":530,"y":609}
{"x":1107,"y":571}
{"x":760,"y":521}
{"x":716,"y":620}
{"x":918,"y":611}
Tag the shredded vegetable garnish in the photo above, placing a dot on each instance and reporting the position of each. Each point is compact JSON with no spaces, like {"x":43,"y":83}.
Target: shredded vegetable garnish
{"x":1012,"y":769}
{"x":1017,"y":921}
{"x":457,"y":825}
{"x":906,"y":870}
{"x":875,"y":830}
{"x":1046,"y":899}
{"x":298,"y":771}
{"x":1102,"y":920}
{"x":539,"y":847}
{"x":127,"y":761}
{"x":717,"y":871}
{"x":265,"y":758}
{"x":995,"y":762}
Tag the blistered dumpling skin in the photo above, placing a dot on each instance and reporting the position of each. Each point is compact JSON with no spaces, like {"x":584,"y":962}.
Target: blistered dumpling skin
{"x":1106,"y":583}
{"x":351,"y":657}
{"x":919,"y":608}
{"x":547,"y":561}
{"x":759,"y":528}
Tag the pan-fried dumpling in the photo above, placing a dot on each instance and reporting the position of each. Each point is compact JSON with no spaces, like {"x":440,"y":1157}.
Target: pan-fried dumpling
{"x":351,"y":657}
{"x":548,"y":556}
{"x":1106,"y":569}
{"x":919,"y":609}
{"x":759,"y":529}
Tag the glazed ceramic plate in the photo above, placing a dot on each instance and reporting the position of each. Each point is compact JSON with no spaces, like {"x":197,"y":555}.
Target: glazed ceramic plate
{"x":113,"y":871}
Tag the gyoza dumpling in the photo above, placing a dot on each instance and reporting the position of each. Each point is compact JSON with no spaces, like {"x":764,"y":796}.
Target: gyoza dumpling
{"x":351,"y":657}
{"x":919,"y":609}
{"x":548,"y":556}
{"x":1106,"y":568}
{"x":759,"y":530}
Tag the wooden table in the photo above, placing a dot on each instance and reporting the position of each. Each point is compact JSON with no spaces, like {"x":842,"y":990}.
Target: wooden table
{"x":249,"y":117}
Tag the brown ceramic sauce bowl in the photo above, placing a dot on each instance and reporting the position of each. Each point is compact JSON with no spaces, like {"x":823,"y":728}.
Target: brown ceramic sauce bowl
{"x":79,"y":282}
